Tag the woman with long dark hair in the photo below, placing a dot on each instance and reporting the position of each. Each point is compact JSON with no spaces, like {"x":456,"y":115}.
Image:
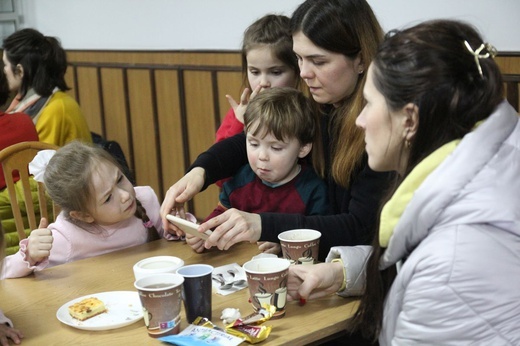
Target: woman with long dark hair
{"x":334,"y":41}
{"x":35,"y":67}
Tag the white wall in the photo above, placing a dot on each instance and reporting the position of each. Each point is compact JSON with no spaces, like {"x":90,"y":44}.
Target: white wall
{"x":213,"y":24}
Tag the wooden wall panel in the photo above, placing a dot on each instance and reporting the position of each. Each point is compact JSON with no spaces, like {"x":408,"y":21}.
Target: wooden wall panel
{"x":201,"y":58}
{"x":143,"y":122}
{"x":114,"y":111}
{"x":163,"y":108}
{"x":201,"y":128}
{"x":227,"y":84}
{"x":509,"y":64}
{"x":172,"y":152}
{"x":88,"y":97}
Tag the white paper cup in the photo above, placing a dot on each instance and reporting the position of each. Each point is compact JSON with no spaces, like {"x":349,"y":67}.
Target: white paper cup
{"x":157,"y":265}
{"x":267,"y":280}
{"x":161,"y":299}
{"x":300,"y":246}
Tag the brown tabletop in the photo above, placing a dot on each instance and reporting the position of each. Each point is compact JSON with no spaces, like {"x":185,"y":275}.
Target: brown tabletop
{"x":32,"y":302}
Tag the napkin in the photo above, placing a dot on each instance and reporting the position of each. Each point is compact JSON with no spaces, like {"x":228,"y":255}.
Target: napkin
{"x":240,"y":274}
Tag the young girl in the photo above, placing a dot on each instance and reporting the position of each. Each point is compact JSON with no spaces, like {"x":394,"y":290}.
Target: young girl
{"x":100,"y":211}
{"x":6,"y":326}
{"x":267,"y":61}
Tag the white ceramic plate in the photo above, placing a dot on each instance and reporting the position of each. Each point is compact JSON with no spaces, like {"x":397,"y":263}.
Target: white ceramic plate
{"x":123,"y":308}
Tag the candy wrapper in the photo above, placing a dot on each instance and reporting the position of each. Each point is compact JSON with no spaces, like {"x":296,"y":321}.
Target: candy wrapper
{"x":250,"y":328}
{"x":202,"y":332}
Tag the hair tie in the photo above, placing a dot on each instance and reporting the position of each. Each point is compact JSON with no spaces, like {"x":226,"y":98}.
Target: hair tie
{"x":492,"y":52}
{"x":148,"y":224}
{"x":39,"y":163}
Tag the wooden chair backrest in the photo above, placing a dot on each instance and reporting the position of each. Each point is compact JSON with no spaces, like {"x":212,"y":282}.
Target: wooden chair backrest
{"x":16,"y":158}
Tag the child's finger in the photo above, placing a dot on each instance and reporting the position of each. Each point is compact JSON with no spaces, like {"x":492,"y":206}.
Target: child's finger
{"x":43,"y":223}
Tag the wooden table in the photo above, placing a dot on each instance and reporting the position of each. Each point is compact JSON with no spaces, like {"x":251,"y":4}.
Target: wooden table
{"x":31,"y":302}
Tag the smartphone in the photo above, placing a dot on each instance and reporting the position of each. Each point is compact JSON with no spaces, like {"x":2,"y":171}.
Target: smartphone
{"x":188,"y":226}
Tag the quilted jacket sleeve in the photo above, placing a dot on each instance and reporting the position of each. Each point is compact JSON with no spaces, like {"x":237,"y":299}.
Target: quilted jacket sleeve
{"x":354,"y":259}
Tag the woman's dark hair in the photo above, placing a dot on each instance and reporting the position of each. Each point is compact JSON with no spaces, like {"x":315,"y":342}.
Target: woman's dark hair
{"x":4,"y":89}
{"x":429,"y":66}
{"x":43,"y":60}
{"x":347,"y":27}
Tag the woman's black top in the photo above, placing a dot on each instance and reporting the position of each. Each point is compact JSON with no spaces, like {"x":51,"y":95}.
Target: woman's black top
{"x":353,"y":211}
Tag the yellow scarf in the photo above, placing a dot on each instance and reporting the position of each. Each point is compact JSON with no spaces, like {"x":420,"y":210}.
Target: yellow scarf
{"x":395,"y":207}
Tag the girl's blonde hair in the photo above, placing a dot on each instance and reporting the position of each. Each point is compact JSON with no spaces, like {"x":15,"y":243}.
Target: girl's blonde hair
{"x":68,"y":179}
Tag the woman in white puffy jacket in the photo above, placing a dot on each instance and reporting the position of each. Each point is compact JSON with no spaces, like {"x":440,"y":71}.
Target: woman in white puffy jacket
{"x":435,"y":113}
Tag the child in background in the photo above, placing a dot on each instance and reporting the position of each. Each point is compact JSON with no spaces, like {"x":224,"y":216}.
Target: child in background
{"x":280,"y":127}
{"x":100,"y":211}
{"x":267,"y":61}
{"x":6,"y":326}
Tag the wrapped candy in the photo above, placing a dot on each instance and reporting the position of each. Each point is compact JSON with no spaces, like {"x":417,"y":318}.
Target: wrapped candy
{"x":250,"y":328}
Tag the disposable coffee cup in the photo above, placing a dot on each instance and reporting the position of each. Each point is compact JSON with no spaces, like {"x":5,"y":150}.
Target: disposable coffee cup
{"x":300,"y":246}
{"x":157,"y":265}
{"x":161,"y":297}
{"x":197,"y":290}
{"x":267,"y":280}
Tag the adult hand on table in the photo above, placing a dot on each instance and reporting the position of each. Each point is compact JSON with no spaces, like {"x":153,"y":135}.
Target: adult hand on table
{"x":178,"y":194}
{"x":314,"y":281}
{"x":7,"y":333}
{"x":39,"y":243}
{"x":231,"y":227}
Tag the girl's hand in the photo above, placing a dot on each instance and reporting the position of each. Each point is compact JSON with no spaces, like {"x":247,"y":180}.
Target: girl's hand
{"x":231,"y":227}
{"x":7,"y":333}
{"x":315,"y":281}
{"x":196,"y":243}
{"x":269,"y":247}
{"x":40,"y":243}
{"x":175,"y":232}
{"x":240,"y":108}
{"x":178,"y":194}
